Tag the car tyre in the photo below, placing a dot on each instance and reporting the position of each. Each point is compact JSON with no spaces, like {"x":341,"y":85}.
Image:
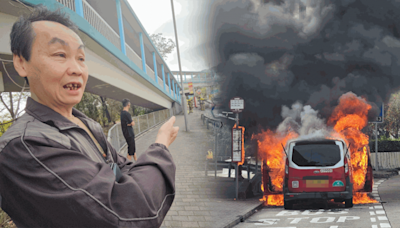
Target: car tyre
{"x":288,"y":205}
{"x":348,"y":203}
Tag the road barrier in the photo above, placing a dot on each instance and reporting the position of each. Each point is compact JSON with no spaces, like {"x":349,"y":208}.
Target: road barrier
{"x":142,"y":124}
{"x":386,"y":160}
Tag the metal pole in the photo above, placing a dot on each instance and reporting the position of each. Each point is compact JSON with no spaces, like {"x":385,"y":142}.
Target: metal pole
{"x":216,"y":146}
{"x":376,"y":147}
{"x":237,"y":181}
{"x":180,"y":68}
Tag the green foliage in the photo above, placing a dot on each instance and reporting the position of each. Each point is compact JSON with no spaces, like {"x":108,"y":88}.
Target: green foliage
{"x":164,"y":46}
{"x":4,"y":126}
{"x":385,"y":146}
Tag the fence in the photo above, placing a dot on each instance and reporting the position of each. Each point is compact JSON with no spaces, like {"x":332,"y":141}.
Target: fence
{"x":68,"y":3}
{"x":142,"y":124}
{"x":386,"y":160}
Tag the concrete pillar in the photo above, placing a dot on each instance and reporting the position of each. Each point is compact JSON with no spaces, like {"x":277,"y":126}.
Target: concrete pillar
{"x":155,"y":67}
{"x":121,"y":27}
{"x":163,"y":75}
{"x":142,"y":52}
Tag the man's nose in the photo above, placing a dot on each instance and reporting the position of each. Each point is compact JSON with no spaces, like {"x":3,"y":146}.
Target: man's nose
{"x":74,"y":67}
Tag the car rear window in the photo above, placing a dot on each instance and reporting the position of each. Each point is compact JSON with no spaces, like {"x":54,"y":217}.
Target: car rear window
{"x":316,"y":155}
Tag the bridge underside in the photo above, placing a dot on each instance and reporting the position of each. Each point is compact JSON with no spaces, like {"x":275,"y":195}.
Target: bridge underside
{"x":94,"y":85}
{"x":108,"y":76}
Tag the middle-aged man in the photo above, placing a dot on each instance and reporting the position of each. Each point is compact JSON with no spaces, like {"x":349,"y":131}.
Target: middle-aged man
{"x":55,"y":162}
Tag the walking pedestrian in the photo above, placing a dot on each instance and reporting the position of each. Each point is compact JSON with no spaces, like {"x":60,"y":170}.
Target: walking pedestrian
{"x":127,"y":129}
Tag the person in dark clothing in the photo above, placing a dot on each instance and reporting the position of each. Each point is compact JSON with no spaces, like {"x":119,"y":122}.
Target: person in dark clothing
{"x":56,"y":166}
{"x":127,"y":129}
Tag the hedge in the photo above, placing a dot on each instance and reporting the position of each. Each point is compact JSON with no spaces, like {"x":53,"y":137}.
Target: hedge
{"x":385,"y":146}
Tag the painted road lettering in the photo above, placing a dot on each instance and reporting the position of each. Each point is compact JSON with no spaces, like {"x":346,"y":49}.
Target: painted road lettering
{"x":297,"y":220}
{"x":268,"y":222}
{"x":312,"y":212}
{"x":323,"y":220}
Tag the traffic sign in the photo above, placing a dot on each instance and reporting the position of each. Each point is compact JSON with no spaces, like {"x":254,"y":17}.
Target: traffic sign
{"x":379,"y":118}
{"x":236,"y":104}
{"x":237,"y":144}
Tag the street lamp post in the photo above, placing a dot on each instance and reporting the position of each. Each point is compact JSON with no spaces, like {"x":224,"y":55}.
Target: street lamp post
{"x":180,"y":68}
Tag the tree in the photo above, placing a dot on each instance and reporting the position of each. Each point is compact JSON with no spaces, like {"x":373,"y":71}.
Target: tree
{"x":164,"y":46}
{"x":10,"y":105}
{"x":392,"y":115}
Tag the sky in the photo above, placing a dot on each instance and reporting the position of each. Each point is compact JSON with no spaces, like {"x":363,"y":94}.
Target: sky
{"x":187,"y":16}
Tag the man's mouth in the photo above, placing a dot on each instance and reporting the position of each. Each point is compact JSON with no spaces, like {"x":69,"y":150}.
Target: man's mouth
{"x":72,"y":86}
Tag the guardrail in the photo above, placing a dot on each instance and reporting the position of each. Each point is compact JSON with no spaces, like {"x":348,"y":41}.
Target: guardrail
{"x":386,"y":160}
{"x":142,"y":124}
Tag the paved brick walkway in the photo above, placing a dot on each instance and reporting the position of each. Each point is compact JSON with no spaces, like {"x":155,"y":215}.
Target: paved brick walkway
{"x":200,"y":201}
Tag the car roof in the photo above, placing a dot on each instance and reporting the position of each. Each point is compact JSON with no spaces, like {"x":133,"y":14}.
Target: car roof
{"x":300,"y":141}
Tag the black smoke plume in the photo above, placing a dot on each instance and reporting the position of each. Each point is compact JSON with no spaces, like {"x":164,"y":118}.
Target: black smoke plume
{"x":275,"y":53}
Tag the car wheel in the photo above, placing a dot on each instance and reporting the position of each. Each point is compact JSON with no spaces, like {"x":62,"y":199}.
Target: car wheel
{"x":348,"y":203}
{"x":288,"y":205}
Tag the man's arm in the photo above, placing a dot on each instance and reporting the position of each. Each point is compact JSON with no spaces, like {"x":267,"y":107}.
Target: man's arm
{"x":130,"y":121}
{"x":43,"y":184}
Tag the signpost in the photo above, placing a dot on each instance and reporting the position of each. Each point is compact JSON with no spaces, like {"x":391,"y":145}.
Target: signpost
{"x":236,"y":105}
{"x":379,"y":119}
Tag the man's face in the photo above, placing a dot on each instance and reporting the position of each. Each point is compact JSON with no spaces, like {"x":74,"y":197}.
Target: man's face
{"x":57,"y":72}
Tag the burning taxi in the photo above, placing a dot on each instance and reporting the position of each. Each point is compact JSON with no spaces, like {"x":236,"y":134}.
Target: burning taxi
{"x":317,"y":170}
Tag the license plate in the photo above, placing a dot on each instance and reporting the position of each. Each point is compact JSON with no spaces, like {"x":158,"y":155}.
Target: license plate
{"x":325,"y":170}
{"x":317,"y":183}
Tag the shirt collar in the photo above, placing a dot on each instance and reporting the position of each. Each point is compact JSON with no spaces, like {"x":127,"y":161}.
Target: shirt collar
{"x":49,"y":116}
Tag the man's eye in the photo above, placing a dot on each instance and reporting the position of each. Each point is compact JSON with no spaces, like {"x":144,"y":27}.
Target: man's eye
{"x":61,"y":55}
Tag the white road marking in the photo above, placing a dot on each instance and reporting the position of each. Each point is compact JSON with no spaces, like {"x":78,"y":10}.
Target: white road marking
{"x":382,"y":218}
{"x":268,"y":221}
{"x":380,"y":212}
{"x":371,"y":213}
{"x":297,"y":220}
{"x":371,"y":208}
{"x":374,"y":226}
{"x":344,"y":218}
{"x":385,"y":225}
{"x":333,"y":227}
{"x":373,"y":219}
{"x":378,"y":207}
{"x":324,"y":220}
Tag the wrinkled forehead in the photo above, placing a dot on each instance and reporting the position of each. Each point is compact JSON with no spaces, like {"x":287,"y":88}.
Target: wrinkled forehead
{"x":47,"y":30}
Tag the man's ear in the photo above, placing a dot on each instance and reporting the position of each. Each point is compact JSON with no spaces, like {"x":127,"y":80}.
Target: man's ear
{"x":20,"y":65}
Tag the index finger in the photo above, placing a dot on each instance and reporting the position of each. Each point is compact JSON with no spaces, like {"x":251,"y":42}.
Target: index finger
{"x":172,"y":120}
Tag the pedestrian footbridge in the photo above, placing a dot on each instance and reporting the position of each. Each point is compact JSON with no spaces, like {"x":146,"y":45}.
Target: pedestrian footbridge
{"x":123,"y":62}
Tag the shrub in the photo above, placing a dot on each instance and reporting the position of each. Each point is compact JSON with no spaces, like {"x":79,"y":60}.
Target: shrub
{"x":385,"y":146}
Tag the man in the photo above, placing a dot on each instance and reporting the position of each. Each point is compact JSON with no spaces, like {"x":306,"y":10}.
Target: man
{"x":55,"y":162}
{"x":126,"y":124}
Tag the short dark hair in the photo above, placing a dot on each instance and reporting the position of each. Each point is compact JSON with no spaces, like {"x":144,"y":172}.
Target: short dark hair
{"x":22,"y":34}
{"x":125,"y":102}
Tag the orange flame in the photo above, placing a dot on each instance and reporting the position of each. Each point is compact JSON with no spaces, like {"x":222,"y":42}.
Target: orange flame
{"x":347,"y":119}
{"x":270,"y":149}
{"x":362,"y":198}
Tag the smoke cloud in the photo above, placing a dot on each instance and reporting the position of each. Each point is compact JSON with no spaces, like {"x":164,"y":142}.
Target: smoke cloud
{"x":275,"y":53}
